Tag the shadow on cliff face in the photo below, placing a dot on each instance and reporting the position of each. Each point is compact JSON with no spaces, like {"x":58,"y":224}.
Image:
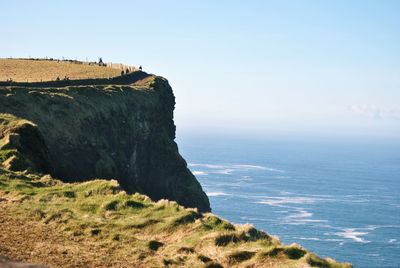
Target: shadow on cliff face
{"x":77,"y":133}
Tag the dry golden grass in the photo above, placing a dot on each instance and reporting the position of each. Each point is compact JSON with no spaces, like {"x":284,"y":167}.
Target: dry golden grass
{"x":46,"y":70}
{"x":96,"y":224}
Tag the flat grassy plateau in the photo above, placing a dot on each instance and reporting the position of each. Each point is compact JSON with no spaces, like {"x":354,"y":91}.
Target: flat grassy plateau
{"x":20,"y":70}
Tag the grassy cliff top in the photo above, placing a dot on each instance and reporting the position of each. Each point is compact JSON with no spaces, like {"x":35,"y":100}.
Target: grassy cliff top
{"x":24,"y":70}
{"x":97,"y":224}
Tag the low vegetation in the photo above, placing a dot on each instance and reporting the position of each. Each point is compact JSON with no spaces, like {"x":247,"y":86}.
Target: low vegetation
{"x":95,"y":223}
{"x":25,"y":70}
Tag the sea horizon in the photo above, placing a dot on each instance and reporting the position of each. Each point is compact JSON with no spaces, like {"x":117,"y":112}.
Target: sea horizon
{"x":335,"y":197}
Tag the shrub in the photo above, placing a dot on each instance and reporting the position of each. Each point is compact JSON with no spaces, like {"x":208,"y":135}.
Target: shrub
{"x":191,"y":216}
{"x":69,"y":194}
{"x":133,"y":204}
{"x":111,"y":205}
{"x":294,"y":252}
{"x":240,"y":256}
{"x":204,"y":258}
{"x":224,"y":240}
{"x":273,"y":252}
{"x":95,"y":231}
{"x":155,"y":245}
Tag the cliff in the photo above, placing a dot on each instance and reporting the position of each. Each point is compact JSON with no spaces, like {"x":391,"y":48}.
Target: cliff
{"x":119,"y":129}
{"x":57,"y":137}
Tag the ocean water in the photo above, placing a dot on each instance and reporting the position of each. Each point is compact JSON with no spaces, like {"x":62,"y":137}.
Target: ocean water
{"x":339,"y":199}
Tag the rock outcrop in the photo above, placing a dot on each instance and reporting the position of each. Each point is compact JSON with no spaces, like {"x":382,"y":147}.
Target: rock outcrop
{"x":123,"y":131}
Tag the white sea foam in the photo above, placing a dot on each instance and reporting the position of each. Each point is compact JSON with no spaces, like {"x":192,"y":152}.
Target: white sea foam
{"x":310,"y":220}
{"x":245,"y":178}
{"x":373,"y":227}
{"x":280,"y":200}
{"x":285,"y":193}
{"x":229,"y":168}
{"x":217,"y":194}
{"x":226,"y":171}
{"x":392,"y":241}
{"x":300,"y":214}
{"x":319,"y":239}
{"x":198,"y":173}
{"x":308,"y":238}
{"x":282,"y":177}
{"x":374,"y":254}
{"x":210,"y":166}
{"x":353,"y":234}
{"x":249,"y":167}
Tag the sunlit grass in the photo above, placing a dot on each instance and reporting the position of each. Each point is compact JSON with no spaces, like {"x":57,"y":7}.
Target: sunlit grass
{"x":161,"y":233}
{"x":46,"y":70}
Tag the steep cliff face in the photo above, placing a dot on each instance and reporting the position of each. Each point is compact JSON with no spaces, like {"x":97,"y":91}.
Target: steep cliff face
{"x":77,"y":133}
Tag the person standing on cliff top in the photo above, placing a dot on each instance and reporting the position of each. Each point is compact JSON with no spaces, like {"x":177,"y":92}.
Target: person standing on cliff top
{"x":140,"y":67}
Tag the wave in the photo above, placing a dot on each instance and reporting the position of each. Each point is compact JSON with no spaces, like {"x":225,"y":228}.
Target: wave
{"x":280,"y":201}
{"x":226,"y":171}
{"x":300,"y":214}
{"x":229,"y":168}
{"x":309,"y":238}
{"x":353,"y":234}
{"x":217,"y":194}
{"x":210,"y":166}
{"x":198,"y":173}
{"x":319,"y":239}
{"x":257,"y":167}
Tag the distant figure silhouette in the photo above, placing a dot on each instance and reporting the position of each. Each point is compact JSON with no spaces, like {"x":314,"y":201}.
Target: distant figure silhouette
{"x":101,"y":63}
{"x":58,"y":78}
{"x":122,"y":72}
{"x":140,"y":67}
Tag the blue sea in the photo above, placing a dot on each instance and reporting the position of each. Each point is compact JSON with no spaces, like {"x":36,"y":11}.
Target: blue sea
{"x":338,"y":198}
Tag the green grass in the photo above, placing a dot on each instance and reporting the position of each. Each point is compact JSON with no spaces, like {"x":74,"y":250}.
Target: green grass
{"x":100,"y":212}
{"x":8,"y":120}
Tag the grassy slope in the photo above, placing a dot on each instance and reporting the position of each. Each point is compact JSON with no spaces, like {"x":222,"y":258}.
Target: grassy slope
{"x":45,"y":70}
{"x":96,"y":224}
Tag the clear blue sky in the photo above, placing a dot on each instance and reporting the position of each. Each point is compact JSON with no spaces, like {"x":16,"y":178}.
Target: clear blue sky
{"x":321,"y":67}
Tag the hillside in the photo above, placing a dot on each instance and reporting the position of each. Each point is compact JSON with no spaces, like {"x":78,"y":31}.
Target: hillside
{"x":96,"y":224}
{"x":24,"y":70}
{"x":86,"y":171}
